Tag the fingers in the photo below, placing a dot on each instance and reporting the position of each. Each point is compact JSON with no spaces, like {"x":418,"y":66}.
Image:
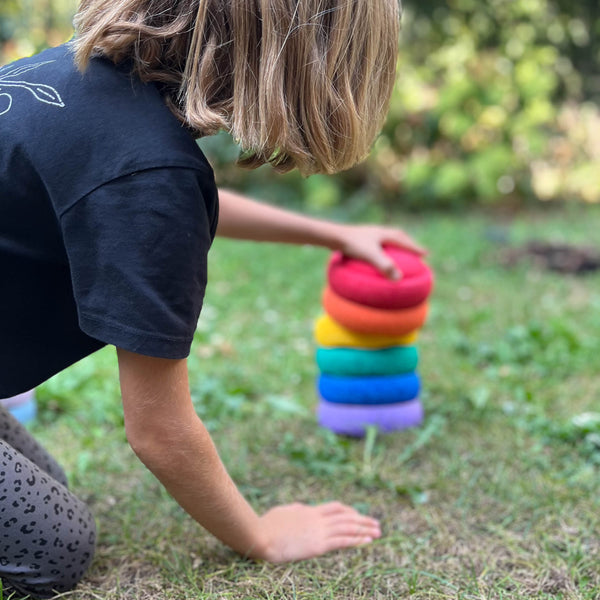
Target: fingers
{"x":386,"y":266}
{"x":383,"y":262}
{"x":341,"y":542}
{"x":348,"y":535}
{"x":359,"y":532}
{"x":340,"y":509}
{"x":347,"y":527}
{"x":362,"y":525}
{"x":300,"y":531}
{"x":367,"y":242}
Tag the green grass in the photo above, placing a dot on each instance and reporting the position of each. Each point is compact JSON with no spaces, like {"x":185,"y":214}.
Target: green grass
{"x":496,"y":496}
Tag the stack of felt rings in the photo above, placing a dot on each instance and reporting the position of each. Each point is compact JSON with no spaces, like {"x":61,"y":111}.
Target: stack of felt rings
{"x":366,"y":344}
{"x":23,"y":406}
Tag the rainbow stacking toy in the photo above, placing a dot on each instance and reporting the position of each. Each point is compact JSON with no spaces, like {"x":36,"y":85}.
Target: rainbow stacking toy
{"x":366,"y":351}
{"x":23,"y":406}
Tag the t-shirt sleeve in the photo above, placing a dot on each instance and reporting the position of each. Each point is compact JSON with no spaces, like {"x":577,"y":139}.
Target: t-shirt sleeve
{"x":137,"y":249}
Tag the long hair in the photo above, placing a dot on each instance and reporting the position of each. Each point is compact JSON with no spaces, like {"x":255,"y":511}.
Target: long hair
{"x":298,"y":83}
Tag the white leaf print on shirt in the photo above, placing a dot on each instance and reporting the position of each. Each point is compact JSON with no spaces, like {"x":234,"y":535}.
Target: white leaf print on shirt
{"x":40,"y":91}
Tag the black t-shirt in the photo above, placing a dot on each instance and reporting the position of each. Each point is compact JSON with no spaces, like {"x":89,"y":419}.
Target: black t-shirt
{"x":107,"y":211}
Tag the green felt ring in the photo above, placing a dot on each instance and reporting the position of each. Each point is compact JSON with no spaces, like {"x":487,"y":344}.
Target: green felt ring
{"x":352,"y":361}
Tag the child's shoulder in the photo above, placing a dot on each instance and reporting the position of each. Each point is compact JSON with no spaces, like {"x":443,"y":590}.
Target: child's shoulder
{"x":78,"y":130}
{"x":48,"y":90}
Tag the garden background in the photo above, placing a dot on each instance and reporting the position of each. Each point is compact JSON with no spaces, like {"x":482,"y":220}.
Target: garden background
{"x":493,"y":140}
{"x":497,"y":103}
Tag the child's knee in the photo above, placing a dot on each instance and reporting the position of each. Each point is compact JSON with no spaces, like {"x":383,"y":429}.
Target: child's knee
{"x":53,"y":563}
{"x":47,"y":534}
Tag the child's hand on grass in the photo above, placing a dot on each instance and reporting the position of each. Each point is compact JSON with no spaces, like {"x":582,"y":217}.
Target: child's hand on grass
{"x":365,"y":242}
{"x":299,"y":531}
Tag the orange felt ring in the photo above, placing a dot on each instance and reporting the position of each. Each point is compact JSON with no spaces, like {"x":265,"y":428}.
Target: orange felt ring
{"x":365,"y":319}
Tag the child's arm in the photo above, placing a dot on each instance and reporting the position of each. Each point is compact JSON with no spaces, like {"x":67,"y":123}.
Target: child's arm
{"x":167,"y":435}
{"x":242,"y":218}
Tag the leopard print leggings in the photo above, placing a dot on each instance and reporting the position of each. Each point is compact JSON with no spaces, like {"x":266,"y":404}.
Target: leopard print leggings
{"x":47,"y":535}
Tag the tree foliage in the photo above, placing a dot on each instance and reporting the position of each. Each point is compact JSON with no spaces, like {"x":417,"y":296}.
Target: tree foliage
{"x":496,"y":101}
{"x":28,"y":26}
{"x":490,"y":106}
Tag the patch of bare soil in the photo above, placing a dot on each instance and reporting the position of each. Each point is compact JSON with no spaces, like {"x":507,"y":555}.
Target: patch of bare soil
{"x":554,"y":256}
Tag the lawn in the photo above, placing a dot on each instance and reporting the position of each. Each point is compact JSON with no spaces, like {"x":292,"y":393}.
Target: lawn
{"x":497,"y":495}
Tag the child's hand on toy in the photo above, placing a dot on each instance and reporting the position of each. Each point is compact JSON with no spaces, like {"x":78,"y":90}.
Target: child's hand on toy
{"x":365,"y":242}
{"x":299,"y":531}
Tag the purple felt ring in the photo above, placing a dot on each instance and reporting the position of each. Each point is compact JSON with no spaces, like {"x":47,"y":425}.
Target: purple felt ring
{"x":353,"y":420}
{"x":360,"y":282}
{"x":18,"y":400}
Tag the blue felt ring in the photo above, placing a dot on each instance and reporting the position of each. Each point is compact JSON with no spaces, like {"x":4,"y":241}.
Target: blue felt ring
{"x":387,"y":389}
{"x":357,"y":361}
{"x":353,"y":420}
{"x":24,"y":413}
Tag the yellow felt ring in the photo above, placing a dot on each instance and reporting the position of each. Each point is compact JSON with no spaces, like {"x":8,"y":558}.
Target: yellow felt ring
{"x":329,"y":333}
{"x":366,"y":319}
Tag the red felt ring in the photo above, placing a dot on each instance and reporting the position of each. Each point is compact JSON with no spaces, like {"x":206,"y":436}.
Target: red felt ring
{"x":362,"y":283}
{"x":365,"y":319}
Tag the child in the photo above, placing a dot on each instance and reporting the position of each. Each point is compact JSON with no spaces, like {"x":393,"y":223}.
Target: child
{"x":108,"y":209}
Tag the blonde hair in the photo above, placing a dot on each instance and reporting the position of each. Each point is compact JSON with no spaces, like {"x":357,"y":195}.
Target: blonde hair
{"x":298,"y":83}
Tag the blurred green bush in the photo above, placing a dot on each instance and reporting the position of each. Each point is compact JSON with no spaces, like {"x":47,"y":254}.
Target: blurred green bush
{"x":490,"y":107}
{"x":496,"y":102}
{"x":28,"y":26}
